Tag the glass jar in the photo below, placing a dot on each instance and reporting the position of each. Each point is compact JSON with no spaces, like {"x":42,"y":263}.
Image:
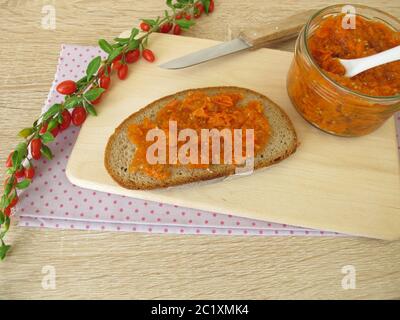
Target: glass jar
{"x":325,"y":103}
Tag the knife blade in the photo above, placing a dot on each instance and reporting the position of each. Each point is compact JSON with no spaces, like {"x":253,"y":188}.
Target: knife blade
{"x":266,"y":35}
{"x":206,"y":54}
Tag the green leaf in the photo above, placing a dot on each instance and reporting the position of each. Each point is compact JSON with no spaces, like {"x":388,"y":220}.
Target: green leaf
{"x":23,"y":184}
{"x":46,"y":152}
{"x":90,"y":109}
{"x":60,"y":118}
{"x":121,"y":40}
{"x":184,"y":24}
{"x":2,"y":217}
{"x":55,"y":108}
{"x":93,"y":94}
{"x":114,"y":54}
{"x":169,"y":4}
{"x":6,"y":226}
{"x":117,"y":45}
{"x":47,"y":137}
{"x":52,"y":124}
{"x":26,"y":132}
{"x":105,"y":46}
{"x":4,"y":201}
{"x":133,"y":44}
{"x":15,"y":159}
{"x":8,"y":187}
{"x":134,"y":33}
{"x":72,"y":101}
{"x":3,"y":250}
{"x":81,"y":82}
{"x":92,"y":68}
{"x":22,"y":149}
{"x":206,"y":5}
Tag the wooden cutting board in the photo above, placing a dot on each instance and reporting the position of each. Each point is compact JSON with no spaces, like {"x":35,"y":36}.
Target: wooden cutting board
{"x":348,"y":185}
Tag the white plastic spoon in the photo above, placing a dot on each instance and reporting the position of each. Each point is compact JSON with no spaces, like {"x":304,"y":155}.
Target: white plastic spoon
{"x":356,"y":66}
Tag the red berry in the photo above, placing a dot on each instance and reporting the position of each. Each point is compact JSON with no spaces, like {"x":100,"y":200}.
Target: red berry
{"x":66,"y":120}
{"x":166,"y":27}
{"x":104,"y":82}
{"x":102,"y":71}
{"x":117,"y":65}
{"x":20,"y":173}
{"x":9,"y":160}
{"x":144,"y":26}
{"x":118,"y":57}
{"x":67,"y":87}
{"x":55,"y":131}
{"x":7,"y":211}
{"x":13,"y":202}
{"x":29,"y":172}
{"x":179,"y":16}
{"x":188,"y":17}
{"x":78,"y":116}
{"x":132,"y":56}
{"x":43,"y":129}
{"x":97,"y":100}
{"x":211,"y":6}
{"x":36,"y":144}
{"x":199,"y":9}
{"x":177,"y":30}
{"x":123,"y":72}
{"x":148,"y":55}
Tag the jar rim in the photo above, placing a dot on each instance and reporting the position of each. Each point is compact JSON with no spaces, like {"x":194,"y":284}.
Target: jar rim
{"x":314,"y":63}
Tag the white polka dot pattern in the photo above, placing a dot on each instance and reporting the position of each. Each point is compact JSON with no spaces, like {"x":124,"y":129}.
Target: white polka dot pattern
{"x":52,"y":201}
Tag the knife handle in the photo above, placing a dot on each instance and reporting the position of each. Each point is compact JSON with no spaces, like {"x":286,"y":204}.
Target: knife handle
{"x":274,"y":32}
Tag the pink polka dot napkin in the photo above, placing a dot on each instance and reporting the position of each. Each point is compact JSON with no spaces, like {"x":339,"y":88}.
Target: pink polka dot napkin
{"x":53,"y":202}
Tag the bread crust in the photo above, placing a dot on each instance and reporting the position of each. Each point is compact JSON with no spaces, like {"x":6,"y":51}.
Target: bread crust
{"x":206,"y":174}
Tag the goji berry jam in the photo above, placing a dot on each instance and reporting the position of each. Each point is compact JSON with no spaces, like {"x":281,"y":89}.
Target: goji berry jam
{"x":316,"y":83}
{"x":330,"y":41}
{"x":198,"y":111}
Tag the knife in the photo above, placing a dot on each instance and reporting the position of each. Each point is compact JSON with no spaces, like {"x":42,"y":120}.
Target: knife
{"x":271,"y":33}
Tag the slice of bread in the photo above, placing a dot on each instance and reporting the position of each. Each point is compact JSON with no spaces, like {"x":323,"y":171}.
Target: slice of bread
{"x":120,"y":151}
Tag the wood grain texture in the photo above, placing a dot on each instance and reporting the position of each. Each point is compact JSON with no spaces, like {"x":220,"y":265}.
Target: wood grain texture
{"x":125,"y":265}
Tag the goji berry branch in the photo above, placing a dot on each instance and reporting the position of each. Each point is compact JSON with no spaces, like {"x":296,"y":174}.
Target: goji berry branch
{"x":82,"y":96}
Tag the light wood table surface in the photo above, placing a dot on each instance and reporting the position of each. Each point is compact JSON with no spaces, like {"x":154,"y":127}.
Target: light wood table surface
{"x":129,"y":265}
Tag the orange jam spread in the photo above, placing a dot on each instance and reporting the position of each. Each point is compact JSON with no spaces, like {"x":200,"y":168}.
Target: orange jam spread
{"x":198,"y":111}
{"x":331,"y":41}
